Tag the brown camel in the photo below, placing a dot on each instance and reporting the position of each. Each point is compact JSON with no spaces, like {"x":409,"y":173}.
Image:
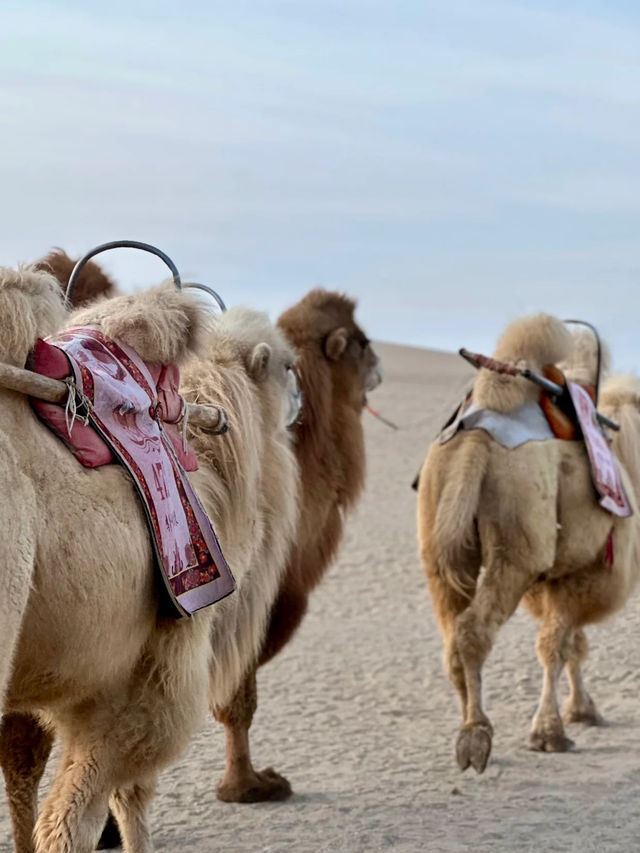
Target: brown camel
{"x":529,"y":517}
{"x":336,"y":366}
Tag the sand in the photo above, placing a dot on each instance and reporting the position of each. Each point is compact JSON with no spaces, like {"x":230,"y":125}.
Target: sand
{"x":357,"y":713}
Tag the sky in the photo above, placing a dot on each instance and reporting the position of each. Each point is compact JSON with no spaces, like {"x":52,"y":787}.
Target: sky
{"x":452,"y":165}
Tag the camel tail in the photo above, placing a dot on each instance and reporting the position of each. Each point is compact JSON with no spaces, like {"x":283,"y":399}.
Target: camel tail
{"x":454,"y":530}
{"x":31,"y":307}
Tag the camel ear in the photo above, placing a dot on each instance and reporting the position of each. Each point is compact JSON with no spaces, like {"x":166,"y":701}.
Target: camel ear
{"x":259,"y":362}
{"x":336,"y":344}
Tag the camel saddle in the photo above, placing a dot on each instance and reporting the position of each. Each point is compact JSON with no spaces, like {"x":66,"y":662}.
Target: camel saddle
{"x":124,"y":410}
{"x":570,"y":416}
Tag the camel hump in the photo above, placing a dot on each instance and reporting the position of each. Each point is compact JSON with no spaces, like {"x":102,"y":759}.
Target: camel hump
{"x":31,"y":307}
{"x":532,"y":342}
{"x":162,"y":324}
{"x":538,"y":340}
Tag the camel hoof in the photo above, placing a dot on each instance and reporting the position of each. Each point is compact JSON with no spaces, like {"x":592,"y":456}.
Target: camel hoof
{"x":587,"y":716}
{"x":110,"y":838}
{"x":258,"y":787}
{"x":473,"y":748}
{"x":550,"y":742}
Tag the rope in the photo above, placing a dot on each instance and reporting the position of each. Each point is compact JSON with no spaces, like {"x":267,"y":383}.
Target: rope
{"x":184,"y":415}
{"x":381,"y":418}
{"x":75,"y":399}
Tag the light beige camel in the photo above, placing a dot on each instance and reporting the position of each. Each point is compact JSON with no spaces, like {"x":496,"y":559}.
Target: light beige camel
{"x":529,"y":517}
{"x":123,"y":687}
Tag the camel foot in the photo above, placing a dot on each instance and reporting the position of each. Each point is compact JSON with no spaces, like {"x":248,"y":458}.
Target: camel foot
{"x":473,"y":747}
{"x":256,"y":787}
{"x":110,"y":837}
{"x":586,"y":714}
{"x":541,"y":741}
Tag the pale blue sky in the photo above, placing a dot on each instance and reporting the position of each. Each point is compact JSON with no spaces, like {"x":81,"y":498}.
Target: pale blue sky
{"x":452,"y":164}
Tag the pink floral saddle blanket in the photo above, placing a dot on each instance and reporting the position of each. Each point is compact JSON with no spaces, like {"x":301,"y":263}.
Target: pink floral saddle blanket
{"x":125,"y":412}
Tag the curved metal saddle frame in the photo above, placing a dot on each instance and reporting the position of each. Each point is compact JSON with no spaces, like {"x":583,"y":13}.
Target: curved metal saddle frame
{"x":145,"y":247}
{"x":120,"y":244}
{"x":594,"y":331}
{"x":205,"y":287}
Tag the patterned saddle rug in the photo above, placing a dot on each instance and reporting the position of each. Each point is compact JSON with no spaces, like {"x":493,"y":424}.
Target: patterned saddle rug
{"x":124,"y":403}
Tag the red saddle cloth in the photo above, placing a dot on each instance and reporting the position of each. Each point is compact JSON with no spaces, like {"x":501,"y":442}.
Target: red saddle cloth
{"x":605,"y":471}
{"x":129,"y":406}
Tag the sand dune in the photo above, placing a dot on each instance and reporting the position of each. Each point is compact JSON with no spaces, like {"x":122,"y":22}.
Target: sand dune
{"x":358,"y":714}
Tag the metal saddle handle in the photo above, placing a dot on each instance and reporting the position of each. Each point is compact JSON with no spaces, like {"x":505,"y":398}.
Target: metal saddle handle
{"x":120,"y":244}
{"x":145,"y":247}
{"x":205,"y":287}
{"x":595,"y":334}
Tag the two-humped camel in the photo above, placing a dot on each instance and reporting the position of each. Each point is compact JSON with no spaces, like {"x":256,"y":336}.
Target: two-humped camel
{"x":123,"y":688}
{"x":528,"y":517}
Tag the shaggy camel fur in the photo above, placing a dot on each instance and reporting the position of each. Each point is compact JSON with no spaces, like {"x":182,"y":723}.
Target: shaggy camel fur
{"x":92,"y":281}
{"x":123,"y":688}
{"x":337,"y":366}
{"x":530,"y":518}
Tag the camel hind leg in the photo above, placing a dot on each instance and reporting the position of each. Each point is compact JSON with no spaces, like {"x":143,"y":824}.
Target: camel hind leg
{"x":129,"y":806}
{"x":496,"y":598}
{"x":75,"y":809}
{"x":579,"y":707}
{"x":448,"y":603}
{"x":25,"y":747}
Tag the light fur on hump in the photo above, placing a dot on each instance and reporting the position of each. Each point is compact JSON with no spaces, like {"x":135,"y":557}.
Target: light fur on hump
{"x":259,"y":507}
{"x":162,"y":324}
{"x":582,"y":363}
{"x":530,"y":342}
{"x":31,"y":307}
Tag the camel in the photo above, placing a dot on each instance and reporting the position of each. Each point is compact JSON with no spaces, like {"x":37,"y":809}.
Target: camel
{"x":337,"y":367}
{"x":122,"y":686}
{"x":529,"y":517}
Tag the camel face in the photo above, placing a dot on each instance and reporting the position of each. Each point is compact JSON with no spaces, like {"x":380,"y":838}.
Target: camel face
{"x":323,"y":330}
{"x":294,"y":397}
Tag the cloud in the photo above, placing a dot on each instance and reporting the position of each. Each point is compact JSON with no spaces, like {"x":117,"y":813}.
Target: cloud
{"x":451,"y":164}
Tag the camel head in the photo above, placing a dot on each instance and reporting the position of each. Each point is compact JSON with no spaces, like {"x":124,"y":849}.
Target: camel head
{"x":330,"y":343}
{"x":31,"y":307}
{"x":268,"y":360}
{"x":92,"y":282}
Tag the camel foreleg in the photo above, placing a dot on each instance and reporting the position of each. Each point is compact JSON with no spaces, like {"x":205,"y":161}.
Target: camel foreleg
{"x":580,"y":707}
{"x":553,"y":646}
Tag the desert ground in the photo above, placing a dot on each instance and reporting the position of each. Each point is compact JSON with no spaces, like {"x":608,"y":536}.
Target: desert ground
{"x":358,"y":714}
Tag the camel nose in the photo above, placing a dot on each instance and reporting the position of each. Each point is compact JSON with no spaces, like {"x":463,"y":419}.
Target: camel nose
{"x":374,"y":377}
